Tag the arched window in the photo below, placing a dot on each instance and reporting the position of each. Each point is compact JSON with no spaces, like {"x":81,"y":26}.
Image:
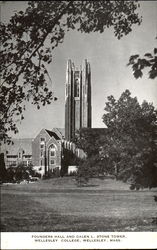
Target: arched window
{"x":52,"y":150}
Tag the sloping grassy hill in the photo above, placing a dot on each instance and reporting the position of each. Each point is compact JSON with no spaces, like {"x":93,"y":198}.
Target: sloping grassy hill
{"x":59,"y":205}
{"x":70,"y":183}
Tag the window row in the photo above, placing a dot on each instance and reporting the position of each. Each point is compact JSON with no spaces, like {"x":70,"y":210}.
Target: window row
{"x":51,"y":153}
{"x":19,"y":155}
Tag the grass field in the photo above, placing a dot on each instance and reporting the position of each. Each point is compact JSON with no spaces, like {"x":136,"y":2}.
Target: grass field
{"x":59,"y":205}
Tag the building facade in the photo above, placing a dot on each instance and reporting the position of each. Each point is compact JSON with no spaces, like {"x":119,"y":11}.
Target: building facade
{"x":78,"y":109}
{"x":47,"y":150}
{"x":20,"y":151}
{"x":44,"y":152}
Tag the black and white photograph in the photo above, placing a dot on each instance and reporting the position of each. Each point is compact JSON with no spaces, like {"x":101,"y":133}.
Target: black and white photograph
{"x":78,"y":124}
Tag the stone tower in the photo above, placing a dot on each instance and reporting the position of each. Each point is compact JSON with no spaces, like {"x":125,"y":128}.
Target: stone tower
{"x":78,"y":110}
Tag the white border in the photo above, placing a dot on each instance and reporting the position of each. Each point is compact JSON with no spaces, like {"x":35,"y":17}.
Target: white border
{"x":80,"y":240}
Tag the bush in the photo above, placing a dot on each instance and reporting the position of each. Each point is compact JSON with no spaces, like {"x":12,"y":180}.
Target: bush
{"x":21,"y":172}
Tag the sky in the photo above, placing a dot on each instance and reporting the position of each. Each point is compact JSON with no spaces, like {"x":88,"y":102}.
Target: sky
{"x":108,"y":57}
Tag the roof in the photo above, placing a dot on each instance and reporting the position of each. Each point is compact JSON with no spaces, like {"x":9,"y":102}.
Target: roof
{"x":52,"y":134}
{"x":60,"y":132}
{"x":12,"y":149}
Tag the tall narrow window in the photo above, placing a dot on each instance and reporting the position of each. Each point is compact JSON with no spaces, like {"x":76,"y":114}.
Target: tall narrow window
{"x":76,"y":90}
{"x":42,"y":143}
{"x":52,"y":151}
{"x":41,"y":153}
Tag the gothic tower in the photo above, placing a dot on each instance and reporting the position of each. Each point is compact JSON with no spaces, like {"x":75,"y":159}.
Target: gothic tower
{"x":78,"y":108}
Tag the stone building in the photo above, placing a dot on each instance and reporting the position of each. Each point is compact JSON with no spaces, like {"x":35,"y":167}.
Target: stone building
{"x":47,"y":150}
{"x":78,"y":109}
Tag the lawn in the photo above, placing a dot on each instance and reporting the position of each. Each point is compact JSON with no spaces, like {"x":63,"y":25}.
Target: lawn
{"x":58,"y":205}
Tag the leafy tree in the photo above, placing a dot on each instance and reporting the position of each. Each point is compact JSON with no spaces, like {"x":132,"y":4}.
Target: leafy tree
{"x":24,"y":55}
{"x":90,"y":141}
{"x":69,"y":158}
{"x":130,"y":141}
{"x":127,"y":147}
{"x":149,"y":61}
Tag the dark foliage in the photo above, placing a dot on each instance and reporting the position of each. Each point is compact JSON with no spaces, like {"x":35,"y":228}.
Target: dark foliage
{"x":149,"y":61}
{"x":130,"y":144}
{"x":21,"y":172}
{"x":90,"y":141}
{"x":3,"y":171}
{"x":69,"y":158}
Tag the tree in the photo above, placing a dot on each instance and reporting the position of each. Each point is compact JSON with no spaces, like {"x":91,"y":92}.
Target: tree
{"x":90,"y":141}
{"x":69,"y":158}
{"x":3,"y":170}
{"x":148,"y":61}
{"x":130,"y":141}
{"x":23,"y":55}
